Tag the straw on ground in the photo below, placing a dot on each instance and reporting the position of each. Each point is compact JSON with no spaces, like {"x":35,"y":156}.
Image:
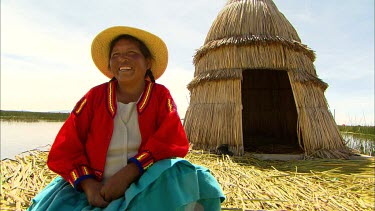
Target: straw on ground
{"x":248,"y":183}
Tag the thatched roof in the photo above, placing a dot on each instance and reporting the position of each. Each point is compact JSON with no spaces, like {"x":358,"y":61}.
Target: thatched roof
{"x":244,"y":17}
{"x":250,"y":36}
{"x":254,"y":22}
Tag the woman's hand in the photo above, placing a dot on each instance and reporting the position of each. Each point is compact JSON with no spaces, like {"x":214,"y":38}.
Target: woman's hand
{"x":116,"y":186}
{"x":92,"y":189}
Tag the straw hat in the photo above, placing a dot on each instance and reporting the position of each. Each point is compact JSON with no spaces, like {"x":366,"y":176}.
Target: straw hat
{"x":100,"y":48}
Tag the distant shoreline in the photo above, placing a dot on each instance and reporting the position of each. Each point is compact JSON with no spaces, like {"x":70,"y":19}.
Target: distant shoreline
{"x":30,"y":116}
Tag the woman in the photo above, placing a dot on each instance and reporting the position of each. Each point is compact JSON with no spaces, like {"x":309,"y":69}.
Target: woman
{"x":117,"y":149}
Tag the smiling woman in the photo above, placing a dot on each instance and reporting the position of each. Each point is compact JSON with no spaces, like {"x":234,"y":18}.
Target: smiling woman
{"x":124,"y":142}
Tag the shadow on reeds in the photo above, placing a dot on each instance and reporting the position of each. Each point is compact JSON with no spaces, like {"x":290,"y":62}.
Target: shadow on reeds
{"x":339,"y":166}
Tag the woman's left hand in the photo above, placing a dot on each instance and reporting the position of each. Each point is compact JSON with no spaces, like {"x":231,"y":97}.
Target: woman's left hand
{"x":116,"y":186}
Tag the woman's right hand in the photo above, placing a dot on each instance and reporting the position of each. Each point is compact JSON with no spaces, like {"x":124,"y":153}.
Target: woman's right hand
{"x":92,"y":189}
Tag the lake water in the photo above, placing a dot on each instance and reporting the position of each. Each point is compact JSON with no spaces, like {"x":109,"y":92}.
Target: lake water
{"x":363,"y":143}
{"x":18,"y":137}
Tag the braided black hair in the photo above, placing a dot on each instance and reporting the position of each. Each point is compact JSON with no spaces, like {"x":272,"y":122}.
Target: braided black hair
{"x":150,"y":75}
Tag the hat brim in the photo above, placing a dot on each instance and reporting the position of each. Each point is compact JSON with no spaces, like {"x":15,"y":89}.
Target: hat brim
{"x":101,"y":44}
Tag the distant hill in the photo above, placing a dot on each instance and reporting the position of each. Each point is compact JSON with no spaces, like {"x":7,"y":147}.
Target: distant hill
{"x":31,"y":116}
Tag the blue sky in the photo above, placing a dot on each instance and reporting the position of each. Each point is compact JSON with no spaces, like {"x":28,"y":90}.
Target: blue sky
{"x":46,"y":63}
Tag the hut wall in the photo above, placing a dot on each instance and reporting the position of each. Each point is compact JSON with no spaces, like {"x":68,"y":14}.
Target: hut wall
{"x":269,"y":115}
{"x":214,"y":116}
{"x":316,"y":126}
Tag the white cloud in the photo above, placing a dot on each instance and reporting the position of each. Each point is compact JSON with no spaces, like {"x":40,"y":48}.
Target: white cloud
{"x":39,"y":42}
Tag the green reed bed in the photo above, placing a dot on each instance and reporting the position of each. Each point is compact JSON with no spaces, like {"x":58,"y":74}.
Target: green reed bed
{"x":248,"y":183}
{"x":365,"y":130}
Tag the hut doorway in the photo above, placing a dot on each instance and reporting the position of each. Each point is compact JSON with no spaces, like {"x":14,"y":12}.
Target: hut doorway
{"x":269,"y":115}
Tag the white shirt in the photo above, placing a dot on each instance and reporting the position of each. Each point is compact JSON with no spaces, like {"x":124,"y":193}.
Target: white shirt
{"x":126,"y":139}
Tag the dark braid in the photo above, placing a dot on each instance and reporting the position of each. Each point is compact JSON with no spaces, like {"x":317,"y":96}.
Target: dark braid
{"x":150,"y":75}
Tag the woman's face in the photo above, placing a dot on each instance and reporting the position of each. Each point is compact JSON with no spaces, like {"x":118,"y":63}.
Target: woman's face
{"x":127,"y":63}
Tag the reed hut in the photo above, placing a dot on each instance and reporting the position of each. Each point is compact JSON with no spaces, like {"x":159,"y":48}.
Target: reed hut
{"x":255,"y":88}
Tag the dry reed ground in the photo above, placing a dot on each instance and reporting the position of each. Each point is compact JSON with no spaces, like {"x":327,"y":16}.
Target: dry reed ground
{"x":248,"y":183}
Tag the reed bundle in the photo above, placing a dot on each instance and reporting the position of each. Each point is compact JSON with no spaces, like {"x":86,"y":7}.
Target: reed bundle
{"x":248,"y":183}
{"x":273,"y":56}
{"x":216,"y":75}
{"x":262,"y":46}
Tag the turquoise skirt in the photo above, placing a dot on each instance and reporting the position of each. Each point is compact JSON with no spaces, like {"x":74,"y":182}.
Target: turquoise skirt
{"x":170,"y":184}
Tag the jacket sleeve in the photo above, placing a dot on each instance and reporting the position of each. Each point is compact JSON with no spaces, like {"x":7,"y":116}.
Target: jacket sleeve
{"x":169,"y":139}
{"x":67,"y":156}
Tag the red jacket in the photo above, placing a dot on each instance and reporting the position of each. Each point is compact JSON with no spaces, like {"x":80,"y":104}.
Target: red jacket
{"x":80,"y":148}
